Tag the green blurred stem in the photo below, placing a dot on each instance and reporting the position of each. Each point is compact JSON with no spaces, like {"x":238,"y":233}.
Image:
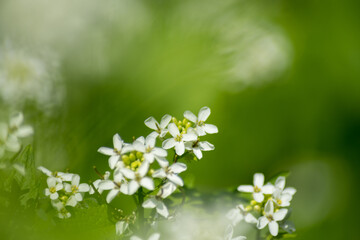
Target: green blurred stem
{"x":140,"y":209}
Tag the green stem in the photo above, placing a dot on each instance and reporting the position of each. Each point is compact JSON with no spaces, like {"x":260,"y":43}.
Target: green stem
{"x":140,"y":209}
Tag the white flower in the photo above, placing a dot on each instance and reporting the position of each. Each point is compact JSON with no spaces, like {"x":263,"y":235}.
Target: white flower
{"x":201,"y":127}
{"x":238,"y":214}
{"x":62,"y":212}
{"x":271,"y":218}
{"x":120,"y":227}
{"x":167,"y":189}
{"x":156,"y":203}
{"x":281,"y":196}
{"x":197,"y":147}
{"x":53,"y":188}
{"x":116,"y":186}
{"x":154,"y":236}
{"x":76,"y":188}
{"x":97,"y":182}
{"x":178,"y":139}
{"x":160,"y":129}
{"x":116,"y":152}
{"x":16,"y":129}
{"x":258,"y":189}
{"x":138,"y":178}
{"x":59,"y":176}
{"x":147,"y":146}
{"x":280,"y":184}
{"x":171,"y":173}
{"x":229,"y":232}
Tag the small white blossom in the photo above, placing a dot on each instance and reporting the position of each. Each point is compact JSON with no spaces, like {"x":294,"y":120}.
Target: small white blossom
{"x":53,"y":188}
{"x":167,"y":189}
{"x":171,"y":173}
{"x":178,"y":139}
{"x":160,"y":129}
{"x":147,"y":146}
{"x":238,"y":214}
{"x":116,"y":186}
{"x":201,"y":127}
{"x":76,"y":188}
{"x":156,"y":203}
{"x":271,"y":218}
{"x":154,"y":236}
{"x":280,"y":185}
{"x":116,"y":152}
{"x":121,"y":227}
{"x":97,"y":182}
{"x":258,"y":189}
{"x":229,"y":232}
{"x":197,"y":147}
{"x":138,"y":178}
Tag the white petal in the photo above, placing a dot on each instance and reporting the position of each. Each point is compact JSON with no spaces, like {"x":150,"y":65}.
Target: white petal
{"x":135,"y":238}
{"x":139,"y":146}
{"x":150,"y":203}
{"x":162,"y":161}
{"x":173,"y":129}
{"x":206,"y":146}
{"x":159,"y":152}
{"x":160,"y":173}
{"x":204,"y":113}
{"x":151,"y":123}
{"x":210,"y":128}
{"x":13,"y":144}
{"x":249,"y":218}
{"x":106,"y":185}
{"x":78,"y":197}
{"x":111,"y":195}
{"x":128,"y":173}
{"x":54,"y":196}
{"x":280,"y":182}
{"x":200,"y":131}
{"x":268,"y":189}
{"x":150,"y":141}
{"x":71,"y":201}
{"x":143,"y":169}
{"x":149,"y":157}
{"x":51,"y":182}
{"x":3,"y":131}
{"x":258,"y":180}
{"x":83,"y":187}
{"x":175,"y":179}
{"x":67,"y":187}
{"x":120,"y":227}
{"x":154,"y":236}
{"x":106,"y":151}
{"x":167,"y":189}
{"x":133,"y":187}
{"x":75,"y":180}
{"x":269,"y":207}
{"x":197,"y":152}
{"x":262,"y":222}
{"x":124,"y":188}
{"x":127,"y":148}
{"x":147,"y":183}
{"x":165,"y":121}
{"x":289,"y":190}
{"x":259,"y":197}
{"x":280,"y":214}
{"x":113,"y":160}
{"x":59,"y":186}
{"x":162,"y":209}
{"x":24,"y":131}
{"x":168,"y":143}
{"x":229,"y":233}
{"x":190,"y":116}
{"x":65,"y":176}
{"x":16,"y":120}
{"x":273,"y":228}
{"x":188,"y":137}
{"x":45,"y":171}
{"x":179,"y":148}
{"x":178,"y":167}
{"x":245,"y":188}
{"x":47,"y":192}
{"x":118,"y":142}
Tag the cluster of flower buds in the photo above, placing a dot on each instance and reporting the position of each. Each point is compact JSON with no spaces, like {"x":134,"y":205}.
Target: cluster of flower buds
{"x":64,"y":190}
{"x":12,"y":132}
{"x":268,"y":206}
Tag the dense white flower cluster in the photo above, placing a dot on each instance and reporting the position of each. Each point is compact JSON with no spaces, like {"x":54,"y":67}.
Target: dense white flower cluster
{"x":267,"y":207}
{"x":64,"y":190}
{"x":12,"y":132}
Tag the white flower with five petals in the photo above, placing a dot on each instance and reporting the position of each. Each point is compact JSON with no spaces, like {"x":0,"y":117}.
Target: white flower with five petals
{"x":259,"y":189}
{"x":201,"y":127}
{"x":178,"y":139}
{"x":160,"y":129}
{"x":271,"y":218}
{"x":171,"y":173}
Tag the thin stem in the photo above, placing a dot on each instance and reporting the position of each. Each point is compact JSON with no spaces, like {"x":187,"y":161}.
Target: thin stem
{"x":140,"y":209}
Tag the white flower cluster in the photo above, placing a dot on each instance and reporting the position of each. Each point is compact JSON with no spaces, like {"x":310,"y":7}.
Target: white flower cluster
{"x":136,"y":165}
{"x":268,"y":205}
{"x":12,"y":132}
{"x":64,"y":189}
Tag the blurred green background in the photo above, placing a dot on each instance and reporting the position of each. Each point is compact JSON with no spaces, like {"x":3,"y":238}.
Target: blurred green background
{"x":296,"y":107}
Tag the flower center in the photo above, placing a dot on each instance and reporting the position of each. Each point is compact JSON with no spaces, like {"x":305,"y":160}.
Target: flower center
{"x":52,"y":190}
{"x":279,"y":202}
{"x":270,"y":218}
{"x":74,"y":189}
{"x":257,"y":189}
{"x":178,"y":138}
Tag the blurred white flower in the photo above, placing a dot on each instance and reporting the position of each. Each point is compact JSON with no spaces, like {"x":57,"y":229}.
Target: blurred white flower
{"x":157,"y":203}
{"x":258,"y":190}
{"x":229,"y":232}
{"x":167,"y":189}
{"x":201,"y":127}
{"x":59,"y":176}
{"x":178,"y":139}
{"x":28,"y":78}
{"x":62,"y":212}
{"x":53,"y":188}
{"x":120,"y":227}
{"x":171,"y":173}
{"x":238,"y":214}
{"x":271,"y":218}
{"x":160,"y":128}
